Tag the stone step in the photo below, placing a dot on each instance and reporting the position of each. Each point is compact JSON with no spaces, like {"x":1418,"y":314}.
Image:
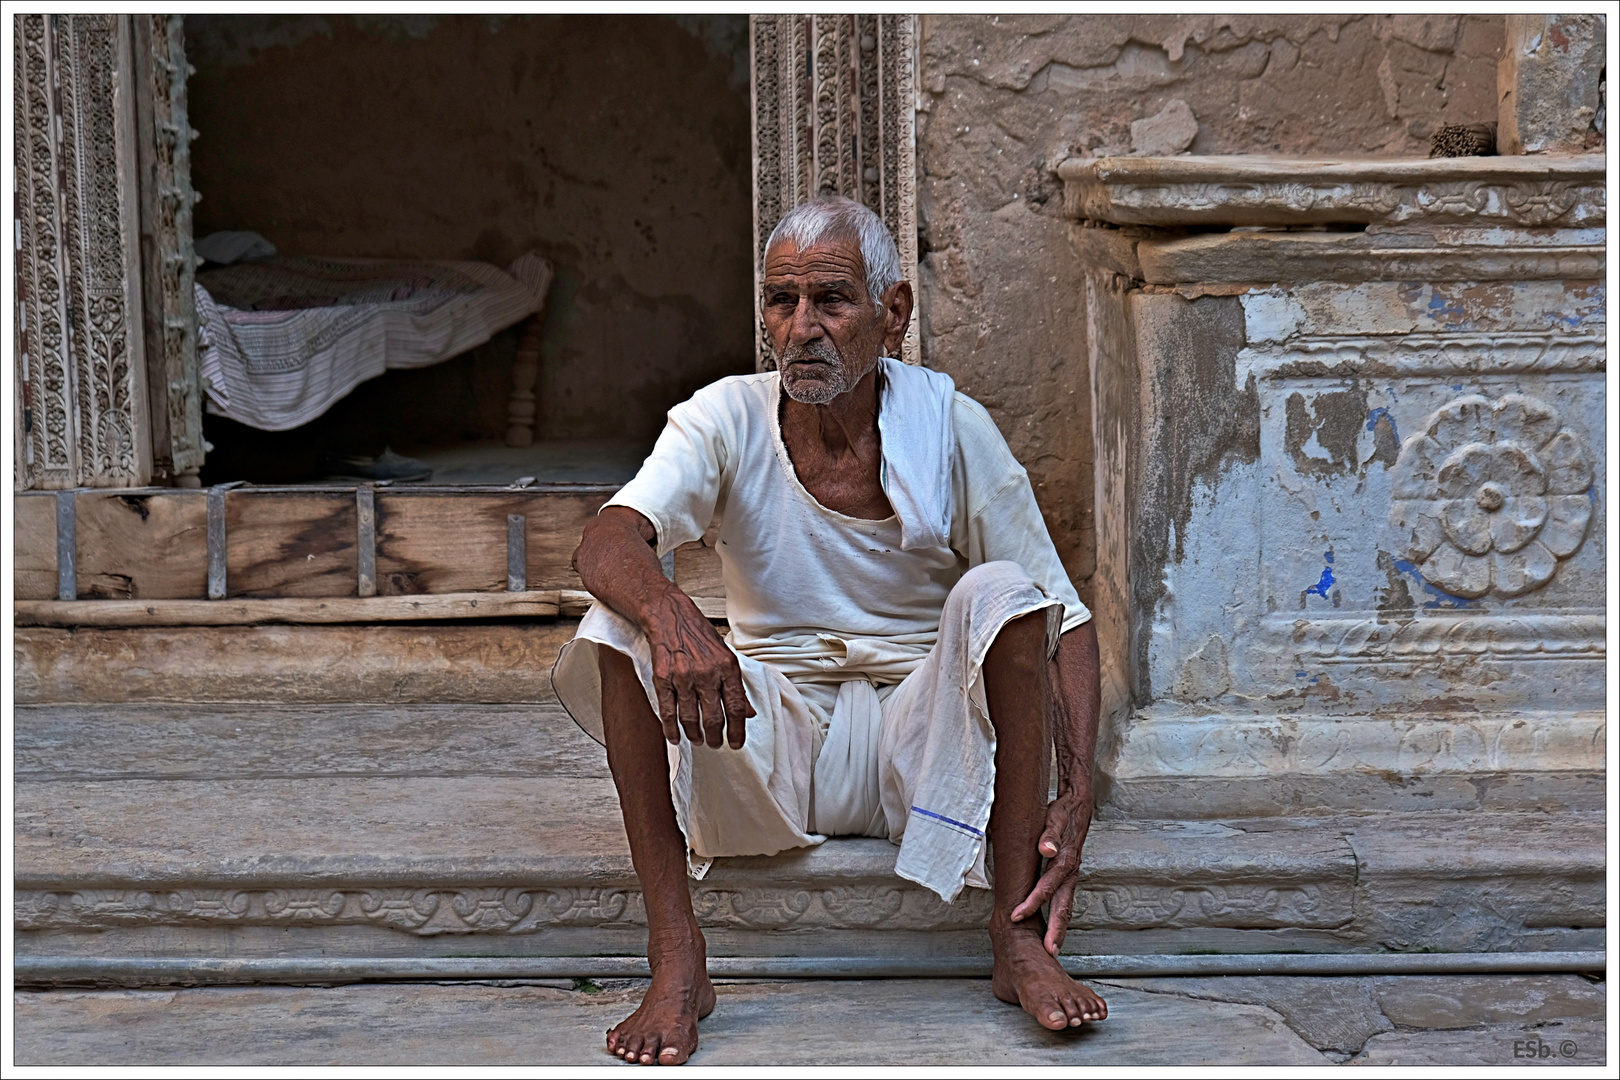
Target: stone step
{"x":115,"y":741}
{"x":374,"y":831}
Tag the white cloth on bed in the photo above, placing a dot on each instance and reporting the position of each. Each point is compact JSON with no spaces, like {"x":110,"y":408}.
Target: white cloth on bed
{"x":283,"y":338}
{"x":830,"y":613}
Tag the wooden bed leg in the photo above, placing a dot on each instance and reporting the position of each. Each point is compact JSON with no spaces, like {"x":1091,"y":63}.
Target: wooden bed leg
{"x":525,"y":372}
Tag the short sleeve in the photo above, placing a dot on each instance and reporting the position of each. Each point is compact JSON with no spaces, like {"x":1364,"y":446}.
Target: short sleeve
{"x":679,"y":483}
{"x":996,"y":516}
{"x":1010,"y":527}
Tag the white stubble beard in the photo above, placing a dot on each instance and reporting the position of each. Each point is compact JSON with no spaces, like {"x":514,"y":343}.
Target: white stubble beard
{"x":837,"y":378}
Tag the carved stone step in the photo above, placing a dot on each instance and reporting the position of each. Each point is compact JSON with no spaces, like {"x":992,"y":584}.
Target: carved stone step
{"x":538,"y":865}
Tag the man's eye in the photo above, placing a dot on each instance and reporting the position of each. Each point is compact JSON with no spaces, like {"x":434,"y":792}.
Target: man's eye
{"x":784,"y":298}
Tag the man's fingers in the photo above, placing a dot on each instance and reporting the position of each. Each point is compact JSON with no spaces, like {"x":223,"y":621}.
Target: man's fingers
{"x":1056,"y":818}
{"x":686,"y":700}
{"x":1057,"y":926}
{"x":667,"y":710}
{"x":714,"y":716}
{"x":737,"y":712}
{"x":1045,"y":887}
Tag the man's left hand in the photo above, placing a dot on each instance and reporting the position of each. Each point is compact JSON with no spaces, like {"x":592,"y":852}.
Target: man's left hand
{"x":1068,"y":819}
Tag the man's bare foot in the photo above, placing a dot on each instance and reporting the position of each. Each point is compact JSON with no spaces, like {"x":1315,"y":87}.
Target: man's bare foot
{"x":1026,"y":974}
{"x":663,"y":1030}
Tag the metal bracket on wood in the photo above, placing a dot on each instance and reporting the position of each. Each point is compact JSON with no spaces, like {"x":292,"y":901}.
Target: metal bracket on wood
{"x":67,"y":546}
{"x":517,"y":553}
{"x":216,"y":542}
{"x":365,"y":505}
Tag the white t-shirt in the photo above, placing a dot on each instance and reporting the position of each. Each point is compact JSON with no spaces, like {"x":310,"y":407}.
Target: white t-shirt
{"x":817,"y":594}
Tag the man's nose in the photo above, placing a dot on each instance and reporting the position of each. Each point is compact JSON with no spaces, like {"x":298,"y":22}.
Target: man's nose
{"x":806,"y":326}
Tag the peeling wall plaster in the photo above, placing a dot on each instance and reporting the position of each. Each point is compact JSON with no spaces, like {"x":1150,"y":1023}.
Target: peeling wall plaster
{"x":1005,"y":99}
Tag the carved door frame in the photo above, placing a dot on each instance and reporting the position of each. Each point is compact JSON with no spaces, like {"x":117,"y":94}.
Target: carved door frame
{"x":105,"y":321}
{"x":835,"y":100}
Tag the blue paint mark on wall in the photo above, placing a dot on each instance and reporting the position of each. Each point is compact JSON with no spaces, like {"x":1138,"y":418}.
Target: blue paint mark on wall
{"x":1445,"y":309}
{"x":1326,"y":581}
{"x":1382,"y":413}
{"x":1442,"y":599}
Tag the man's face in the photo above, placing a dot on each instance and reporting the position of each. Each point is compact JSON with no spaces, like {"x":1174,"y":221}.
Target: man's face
{"x":825,"y":329}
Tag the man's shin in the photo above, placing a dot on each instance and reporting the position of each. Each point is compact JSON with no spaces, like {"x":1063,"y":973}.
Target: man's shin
{"x":1018,"y":695}
{"x":639,"y":762}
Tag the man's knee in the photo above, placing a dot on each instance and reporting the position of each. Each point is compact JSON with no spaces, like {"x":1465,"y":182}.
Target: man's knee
{"x":987,"y":586}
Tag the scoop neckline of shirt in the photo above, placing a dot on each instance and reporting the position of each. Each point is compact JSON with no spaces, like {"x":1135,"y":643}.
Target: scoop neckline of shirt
{"x":786,"y":462}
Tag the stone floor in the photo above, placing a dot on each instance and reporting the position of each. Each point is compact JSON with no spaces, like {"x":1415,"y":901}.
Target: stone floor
{"x":1389,"y":1020}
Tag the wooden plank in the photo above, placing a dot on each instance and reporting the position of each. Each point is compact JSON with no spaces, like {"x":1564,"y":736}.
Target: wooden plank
{"x":458,"y":541}
{"x":697,"y":569}
{"x":142,"y":544}
{"x":284,"y":610}
{"x":33,"y":558}
{"x":536,"y":603}
{"x":554,"y":532}
{"x":575,"y":602}
{"x":290,"y":543}
{"x":393,"y":662}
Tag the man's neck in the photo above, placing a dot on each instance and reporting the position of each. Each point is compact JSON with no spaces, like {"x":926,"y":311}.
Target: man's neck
{"x":847,"y":421}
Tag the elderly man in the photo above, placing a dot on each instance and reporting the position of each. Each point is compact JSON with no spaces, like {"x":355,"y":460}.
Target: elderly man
{"x":905,"y":646}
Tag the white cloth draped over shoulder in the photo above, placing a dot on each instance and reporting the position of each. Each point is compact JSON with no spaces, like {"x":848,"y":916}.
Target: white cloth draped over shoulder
{"x":817,"y":600}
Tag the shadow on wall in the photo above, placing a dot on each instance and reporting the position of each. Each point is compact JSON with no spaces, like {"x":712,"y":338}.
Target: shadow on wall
{"x":617,"y":147}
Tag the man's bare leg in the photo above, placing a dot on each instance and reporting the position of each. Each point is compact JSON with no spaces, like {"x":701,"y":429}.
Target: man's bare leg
{"x":1016,"y":689}
{"x":664,"y":1028}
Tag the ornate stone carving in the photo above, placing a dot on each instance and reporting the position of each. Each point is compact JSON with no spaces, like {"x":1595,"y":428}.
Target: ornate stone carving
{"x":169,"y":260}
{"x":1440,"y":638}
{"x":1425,"y":354}
{"x":1174,"y":748}
{"x":1240,"y":190}
{"x":45,"y":409}
{"x":1489,"y":496}
{"x":834,"y":113}
{"x":1244,"y":905}
{"x":80,"y":354}
{"x":520,"y":910}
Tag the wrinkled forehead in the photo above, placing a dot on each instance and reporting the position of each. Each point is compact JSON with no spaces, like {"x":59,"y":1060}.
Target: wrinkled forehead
{"x":829,"y":257}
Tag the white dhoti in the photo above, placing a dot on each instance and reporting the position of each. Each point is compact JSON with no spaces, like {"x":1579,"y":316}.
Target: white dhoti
{"x":889,"y":739}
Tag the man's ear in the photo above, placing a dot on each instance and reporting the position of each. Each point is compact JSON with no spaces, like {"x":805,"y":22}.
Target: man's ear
{"x":897,"y":301}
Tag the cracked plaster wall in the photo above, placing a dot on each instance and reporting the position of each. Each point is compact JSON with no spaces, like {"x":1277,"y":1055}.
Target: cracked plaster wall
{"x":616,"y":147}
{"x":1005,"y":99}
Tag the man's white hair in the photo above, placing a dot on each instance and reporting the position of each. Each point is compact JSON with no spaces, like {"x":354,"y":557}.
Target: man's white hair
{"x":835,"y":217}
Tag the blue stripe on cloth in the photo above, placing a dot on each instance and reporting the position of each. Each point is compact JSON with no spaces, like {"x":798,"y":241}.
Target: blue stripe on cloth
{"x":949,"y":821}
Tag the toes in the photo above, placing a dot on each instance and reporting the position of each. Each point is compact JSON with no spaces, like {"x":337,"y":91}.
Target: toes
{"x":1072,"y":1009}
{"x":672,"y":1055}
{"x":649,"y":1051}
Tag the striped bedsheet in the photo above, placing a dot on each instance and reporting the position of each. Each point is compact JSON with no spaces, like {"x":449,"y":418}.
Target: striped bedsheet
{"x":283,"y":338}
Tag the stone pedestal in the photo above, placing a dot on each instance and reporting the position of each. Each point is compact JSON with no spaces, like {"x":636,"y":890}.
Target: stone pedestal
{"x":1350,"y":445}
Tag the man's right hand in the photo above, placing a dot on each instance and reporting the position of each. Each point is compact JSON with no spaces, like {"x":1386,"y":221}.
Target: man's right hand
{"x":694,"y":672}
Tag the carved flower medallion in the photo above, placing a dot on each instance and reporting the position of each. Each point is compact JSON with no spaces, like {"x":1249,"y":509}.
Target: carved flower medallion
{"x":1491,"y":495}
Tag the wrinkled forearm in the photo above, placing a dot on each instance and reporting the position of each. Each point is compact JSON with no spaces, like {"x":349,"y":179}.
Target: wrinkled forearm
{"x":1077,"y":689}
{"x":617,"y":564}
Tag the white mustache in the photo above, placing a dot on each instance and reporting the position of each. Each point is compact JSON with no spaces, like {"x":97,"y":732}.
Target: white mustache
{"x":821,"y":349}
